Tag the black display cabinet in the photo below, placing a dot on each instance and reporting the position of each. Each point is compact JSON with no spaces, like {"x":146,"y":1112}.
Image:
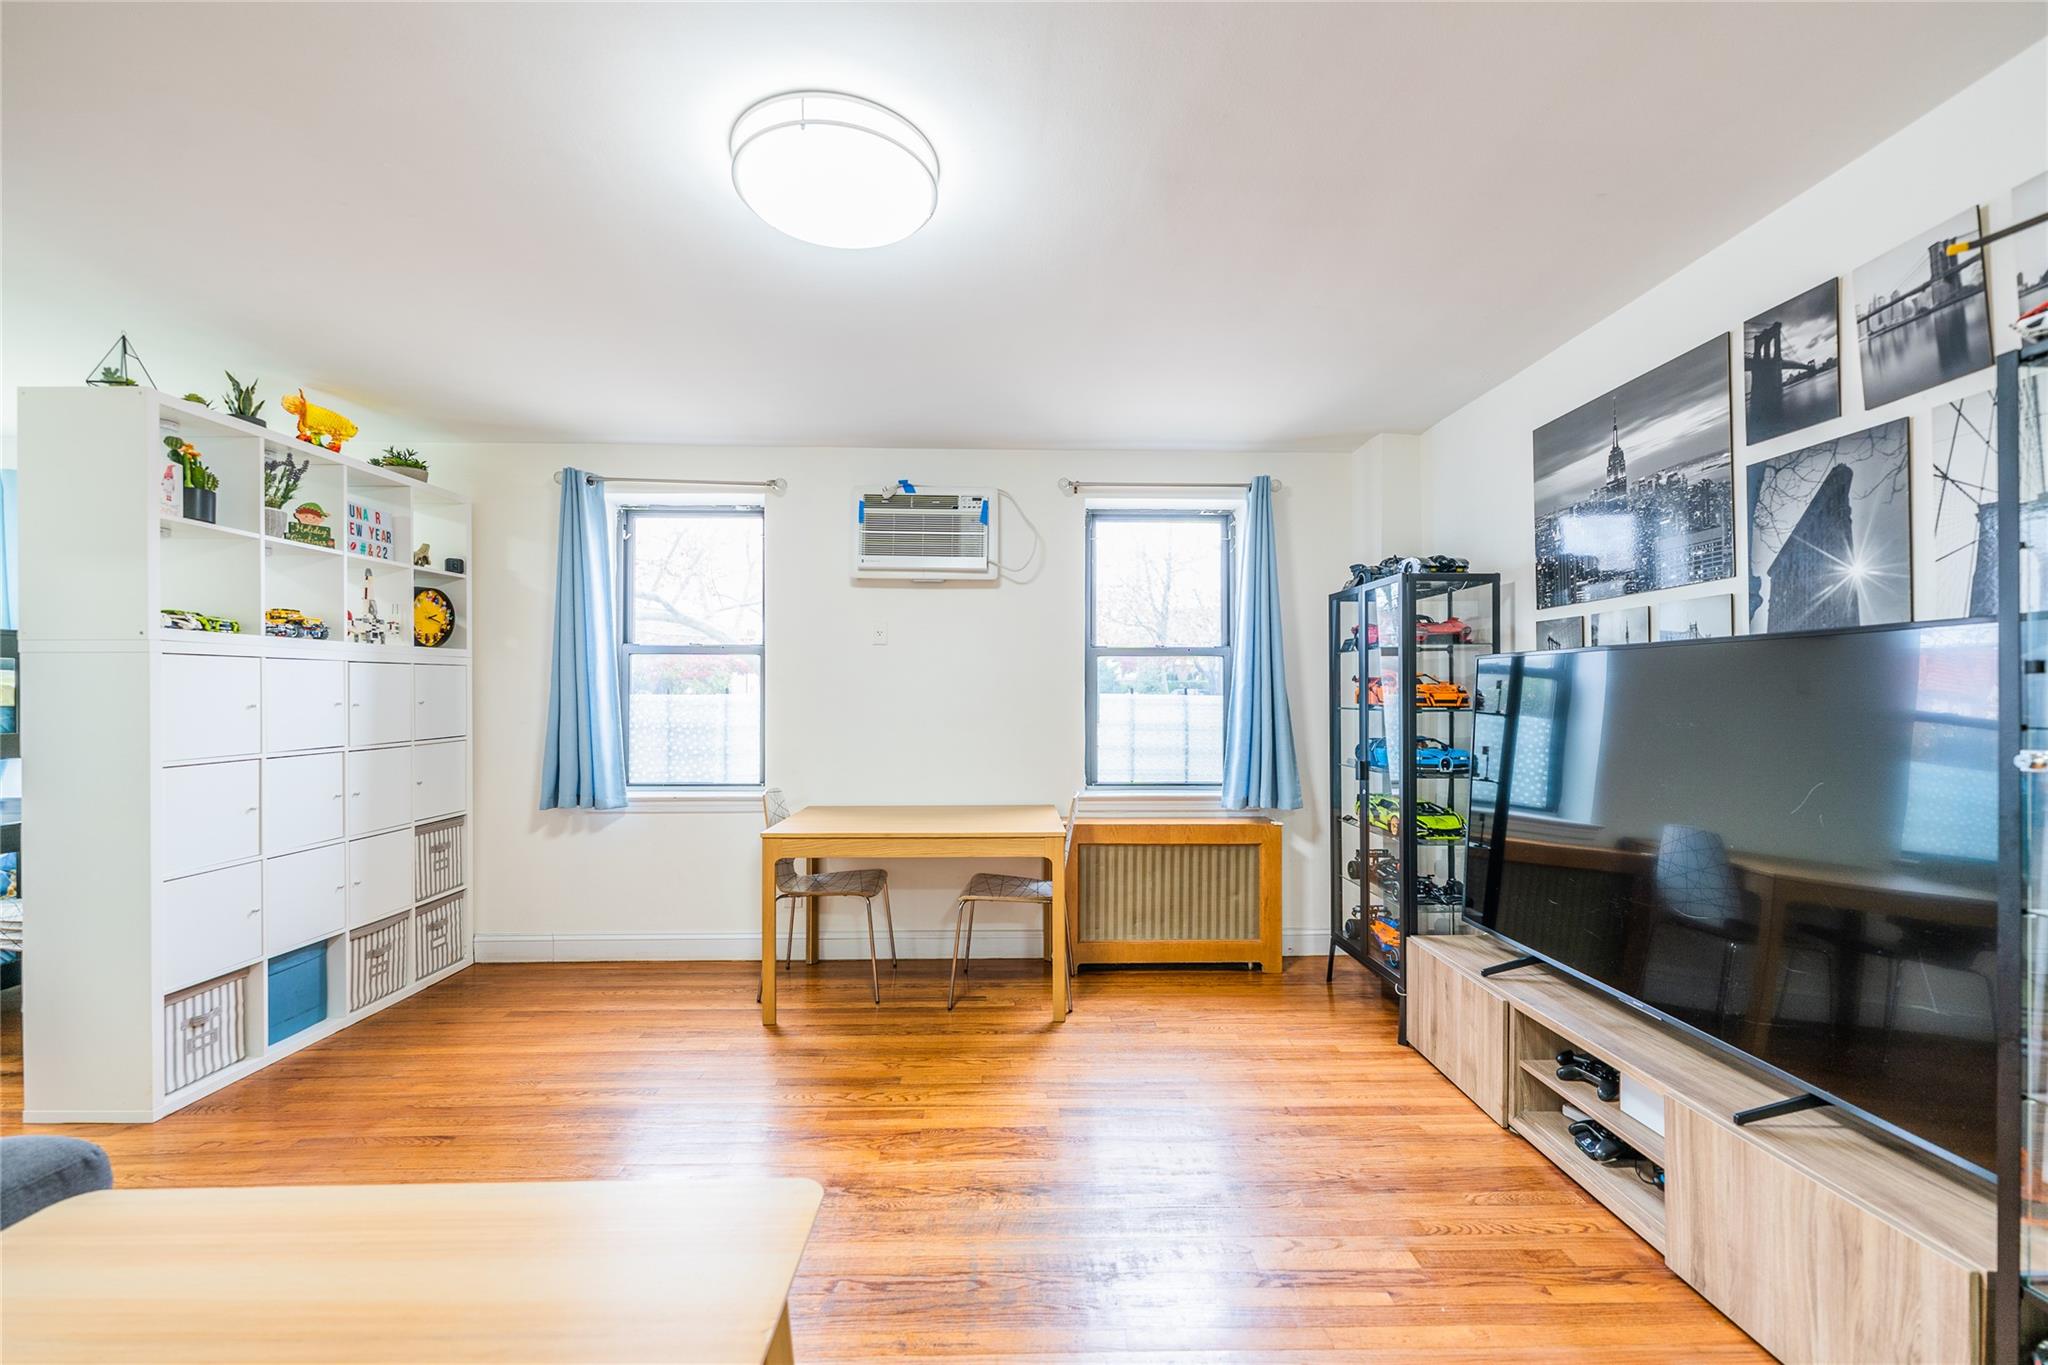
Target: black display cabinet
{"x":1403,"y":650}
{"x":2019,"y":1298}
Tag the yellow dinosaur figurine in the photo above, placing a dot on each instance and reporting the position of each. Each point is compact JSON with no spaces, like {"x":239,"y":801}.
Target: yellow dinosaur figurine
{"x":316,"y":421}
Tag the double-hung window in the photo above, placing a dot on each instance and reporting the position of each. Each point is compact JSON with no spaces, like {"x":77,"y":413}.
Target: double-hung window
{"x":1159,"y":629}
{"x":691,"y":628}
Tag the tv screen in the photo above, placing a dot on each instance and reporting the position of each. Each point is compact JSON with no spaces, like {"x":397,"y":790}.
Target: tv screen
{"x":1788,"y":844}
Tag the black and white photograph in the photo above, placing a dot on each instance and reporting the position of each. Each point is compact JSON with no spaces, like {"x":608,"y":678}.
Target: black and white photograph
{"x":1621,"y":626}
{"x":1635,"y":490}
{"x":2026,"y":253}
{"x":1792,"y":364}
{"x":1965,"y":549}
{"x":1921,"y":314}
{"x":1561,"y":632}
{"x":1695,"y":618}
{"x":1830,"y":534}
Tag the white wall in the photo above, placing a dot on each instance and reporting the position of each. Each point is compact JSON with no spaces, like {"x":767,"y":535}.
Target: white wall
{"x":977,"y":697}
{"x":1478,"y":483}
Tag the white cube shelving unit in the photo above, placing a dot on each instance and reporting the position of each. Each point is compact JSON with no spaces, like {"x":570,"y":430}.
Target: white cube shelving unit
{"x":201,"y":803}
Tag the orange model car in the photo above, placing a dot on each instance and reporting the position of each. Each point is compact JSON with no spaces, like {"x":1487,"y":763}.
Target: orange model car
{"x":1433,"y":693}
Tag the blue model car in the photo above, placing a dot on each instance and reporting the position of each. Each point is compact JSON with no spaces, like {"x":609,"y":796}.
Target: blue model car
{"x":1431,"y":756}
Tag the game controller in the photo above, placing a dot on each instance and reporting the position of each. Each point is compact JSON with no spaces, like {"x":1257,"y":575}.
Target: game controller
{"x":1579,"y":1066}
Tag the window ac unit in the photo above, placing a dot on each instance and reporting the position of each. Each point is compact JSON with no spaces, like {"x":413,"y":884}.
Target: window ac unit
{"x":925,"y":536}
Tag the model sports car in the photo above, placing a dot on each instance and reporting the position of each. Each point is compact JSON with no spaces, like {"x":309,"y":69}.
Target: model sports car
{"x":1433,"y":693}
{"x":1450,"y":630}
{"x":1372,"y":637}
{"x":1435,"y":756}
{"x":175,"y":618}
{"x":1427,"y":892}
{"x":1434,"y":824}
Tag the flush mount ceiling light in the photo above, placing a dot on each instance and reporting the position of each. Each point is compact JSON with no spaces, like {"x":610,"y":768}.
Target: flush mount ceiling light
{"x":834,"y":169}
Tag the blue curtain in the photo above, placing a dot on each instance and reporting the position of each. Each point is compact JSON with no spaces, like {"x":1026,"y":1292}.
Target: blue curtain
{"x":585,"y":764}
{"x":1258,"y":733}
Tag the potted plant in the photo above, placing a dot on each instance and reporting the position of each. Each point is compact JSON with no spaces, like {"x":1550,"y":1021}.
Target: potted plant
{"x":113,"y":379}
{"x":406,"y":462}
{"x":240,"y":401}
{"x":201,"y":484}
{"x":281,"y":476}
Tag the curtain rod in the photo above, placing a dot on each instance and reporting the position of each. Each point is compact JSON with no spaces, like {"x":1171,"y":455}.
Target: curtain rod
{"x":773,"y":485}
{"x":1072,"y":486}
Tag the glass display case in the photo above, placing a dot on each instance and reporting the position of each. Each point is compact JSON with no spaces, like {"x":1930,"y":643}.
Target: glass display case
{"x":1403,"y":651}
{"x":2020,"y":1290}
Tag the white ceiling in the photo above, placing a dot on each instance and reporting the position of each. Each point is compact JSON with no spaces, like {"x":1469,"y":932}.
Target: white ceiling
{"x":1175,"y":226}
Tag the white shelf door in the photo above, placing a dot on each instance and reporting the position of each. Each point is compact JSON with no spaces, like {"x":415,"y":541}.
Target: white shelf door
{"x":379,"y":877}
{"x":379,"y":704}
{"x":304,"y":706}
{"x":213,"y":923}
{"x":380,"y":789}
{"x":302,"y":803}
{"x":212,"y":814}
{"x":208,"y":706}
{"x":440,"y":701}
{"x":439,"y":779}
{"x":305,"y":897}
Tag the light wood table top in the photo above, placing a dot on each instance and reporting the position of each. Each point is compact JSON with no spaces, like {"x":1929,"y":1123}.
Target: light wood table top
{"x":921,"y":822}
{"x":570,"y":1271}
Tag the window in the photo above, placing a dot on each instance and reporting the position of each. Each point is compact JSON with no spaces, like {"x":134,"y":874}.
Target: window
{"x":690,"y":645}
{"x":1159,"y":623}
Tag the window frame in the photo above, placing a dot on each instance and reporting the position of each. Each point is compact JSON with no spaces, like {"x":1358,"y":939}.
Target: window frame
{"x":628,"y":512}
{"x":1093,"y":653}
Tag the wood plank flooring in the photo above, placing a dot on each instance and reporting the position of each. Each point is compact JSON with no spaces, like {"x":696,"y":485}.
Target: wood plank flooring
{"x":1197,"y":1166}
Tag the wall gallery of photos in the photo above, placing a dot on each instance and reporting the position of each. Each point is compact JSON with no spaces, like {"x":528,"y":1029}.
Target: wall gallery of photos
{"x":1637,"y":490}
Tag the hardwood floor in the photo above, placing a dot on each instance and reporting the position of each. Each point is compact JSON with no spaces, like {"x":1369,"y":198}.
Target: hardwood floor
{"x":1198,"y":1165}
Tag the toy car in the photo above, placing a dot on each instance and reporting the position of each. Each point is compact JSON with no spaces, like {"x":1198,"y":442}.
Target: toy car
{"x":1375,"y":692}
{"x":288,"y":624}
{"x":1446,"y":564}
{"x":1388,"y":936}
{"x":1372,"y":639}
{"x":1427,"y":892}
{"x":1435,"y":756}
{"x":1450,"y":630}
{"x":176,"y":619}
{"x":1434,"y":824}
{"x":1434,"y":694}
{"x":2032,"y":325}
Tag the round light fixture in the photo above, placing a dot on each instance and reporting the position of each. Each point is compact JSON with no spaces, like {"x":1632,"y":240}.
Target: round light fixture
{"x":834,"y":169}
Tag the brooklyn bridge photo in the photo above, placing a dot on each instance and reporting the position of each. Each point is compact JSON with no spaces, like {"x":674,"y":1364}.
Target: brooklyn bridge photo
{"x":1792,"y":364}
{"x":1922,"y":317}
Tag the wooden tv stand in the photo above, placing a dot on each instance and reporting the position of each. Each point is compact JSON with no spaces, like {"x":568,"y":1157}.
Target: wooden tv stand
{"x":1813,"y":1235}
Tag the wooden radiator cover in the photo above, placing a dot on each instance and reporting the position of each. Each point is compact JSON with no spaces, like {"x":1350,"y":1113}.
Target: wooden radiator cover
{"x":1170,"y":891}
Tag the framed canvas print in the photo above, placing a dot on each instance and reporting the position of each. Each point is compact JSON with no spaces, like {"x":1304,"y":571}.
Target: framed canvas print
{"x":1635,"y":489}
{"x":1792,"y":364}
{"x":1965,"y":549}
{"x":1621,"y":626}
{"x":1561,"y":632}
{"x":2024,"y":255}
{"x":1695,"y":618}
{"x":1830,"y":534}
{"x":1921,"y":314}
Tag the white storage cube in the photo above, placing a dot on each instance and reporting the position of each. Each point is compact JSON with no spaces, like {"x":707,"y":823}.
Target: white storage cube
{"x":440,"y":701}
{"x":379,"y":704}
{"x":438,"y":930}
{"x":380,"y":790}
{"x":301,"y":801}
{"x":212,"y":814}
{"x":440,"y":779}
{"x":379,"y":876}
{"x":203,"y":1031}
{"x":212,"y":923}
{"x":376,"y":962}
{"x":304,"y":704}
{"x":207,"y":706}
{"x":305,"y":897}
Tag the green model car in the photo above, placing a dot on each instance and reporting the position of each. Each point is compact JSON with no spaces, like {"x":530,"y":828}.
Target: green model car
{"x":1434,"y":824}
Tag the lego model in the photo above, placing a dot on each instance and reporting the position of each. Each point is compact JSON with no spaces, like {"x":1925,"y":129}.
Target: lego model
{"x":1434,"y":694}
{"x":1450,"y":630}
{"x":287,"y":623}
{"x":1435,"y":756}
{"x":175,"y":619}
{"x":1434,"y":824}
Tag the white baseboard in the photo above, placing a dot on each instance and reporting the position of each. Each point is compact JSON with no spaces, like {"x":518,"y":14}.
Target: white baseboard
{"x":710,"y":947}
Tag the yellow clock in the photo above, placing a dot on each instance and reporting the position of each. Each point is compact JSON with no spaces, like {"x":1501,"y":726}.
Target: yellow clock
{"x":433,"y":617}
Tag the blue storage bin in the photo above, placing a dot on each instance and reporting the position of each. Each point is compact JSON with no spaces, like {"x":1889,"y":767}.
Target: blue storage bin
{"x":298,"y":991}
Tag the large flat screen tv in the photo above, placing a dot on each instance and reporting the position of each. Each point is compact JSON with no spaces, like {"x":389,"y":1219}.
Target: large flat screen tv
{"x":1786,"y":844}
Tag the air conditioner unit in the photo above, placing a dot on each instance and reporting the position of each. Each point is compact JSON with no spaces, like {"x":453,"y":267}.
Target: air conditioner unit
{"x":925,"y":536}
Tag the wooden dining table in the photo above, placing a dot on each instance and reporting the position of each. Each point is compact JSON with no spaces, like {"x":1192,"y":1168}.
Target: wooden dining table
{"x":659,"y":1270}
{"x":872,"y":833}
